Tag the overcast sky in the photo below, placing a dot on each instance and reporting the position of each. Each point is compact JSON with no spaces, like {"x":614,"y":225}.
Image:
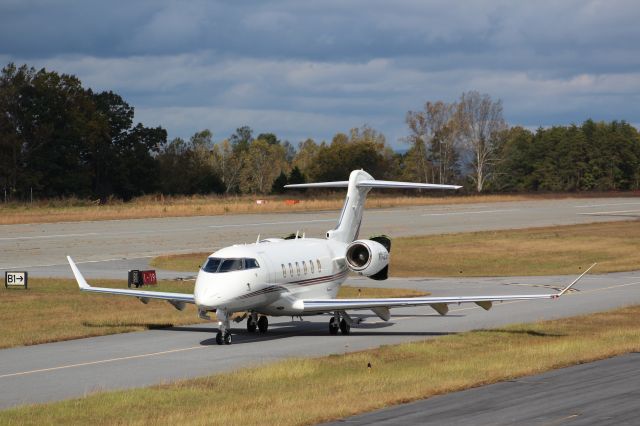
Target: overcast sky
{"x":312,"y":68}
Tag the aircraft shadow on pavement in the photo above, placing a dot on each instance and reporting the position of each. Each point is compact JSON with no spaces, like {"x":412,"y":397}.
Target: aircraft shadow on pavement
{"x":244,"y":337}
{"x":368,"y":327}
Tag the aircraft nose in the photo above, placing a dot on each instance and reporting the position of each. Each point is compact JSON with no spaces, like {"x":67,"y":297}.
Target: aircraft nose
{"x":212,"y":292}
{"x":205,"y":291}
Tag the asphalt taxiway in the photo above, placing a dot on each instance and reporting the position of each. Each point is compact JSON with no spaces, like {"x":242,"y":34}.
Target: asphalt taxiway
{"x":74,"y":368}
{"x":603,"y":392}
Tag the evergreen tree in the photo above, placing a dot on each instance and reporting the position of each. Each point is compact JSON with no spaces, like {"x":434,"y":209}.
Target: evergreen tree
{"x":279,"y":183}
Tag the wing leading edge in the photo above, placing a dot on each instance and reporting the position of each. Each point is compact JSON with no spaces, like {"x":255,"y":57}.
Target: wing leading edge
{"x":440,"y":304}
{"x":173,"y":298}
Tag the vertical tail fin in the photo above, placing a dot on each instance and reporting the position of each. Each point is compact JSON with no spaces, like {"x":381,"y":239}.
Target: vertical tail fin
{"x":358,"y":186}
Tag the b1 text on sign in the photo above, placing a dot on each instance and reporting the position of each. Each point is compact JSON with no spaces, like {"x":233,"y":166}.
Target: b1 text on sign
{"x":15,"y":279}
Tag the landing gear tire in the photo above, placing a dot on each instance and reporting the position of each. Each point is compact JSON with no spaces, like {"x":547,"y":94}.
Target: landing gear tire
{"x":223,"y":339}
{"x":251,"y":325}
{"x":263,"y":324}
{"x":333,"y":326}
{"x":345,"y":328}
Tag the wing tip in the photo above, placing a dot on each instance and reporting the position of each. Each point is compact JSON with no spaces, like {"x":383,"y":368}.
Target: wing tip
{"x":567,"y":288}
{"x":82,"y":283}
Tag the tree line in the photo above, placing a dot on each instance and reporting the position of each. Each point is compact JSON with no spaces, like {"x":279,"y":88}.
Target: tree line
{"x":60,"y":139}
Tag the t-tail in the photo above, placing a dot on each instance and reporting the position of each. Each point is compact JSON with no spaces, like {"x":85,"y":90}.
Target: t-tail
{"x":358,"y":185}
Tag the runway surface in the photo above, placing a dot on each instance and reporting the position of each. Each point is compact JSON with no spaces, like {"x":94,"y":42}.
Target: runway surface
{"x":111,"y":247}
{"x":604,"y":392}
{"x":69,"y":369}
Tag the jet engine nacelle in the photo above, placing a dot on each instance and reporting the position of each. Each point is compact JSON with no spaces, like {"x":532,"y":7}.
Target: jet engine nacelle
{"x":367,"y":257}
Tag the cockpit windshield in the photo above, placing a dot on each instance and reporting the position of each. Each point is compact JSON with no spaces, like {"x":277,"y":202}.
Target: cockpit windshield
{"x":218,"y":265}
{"x":229,"y":265}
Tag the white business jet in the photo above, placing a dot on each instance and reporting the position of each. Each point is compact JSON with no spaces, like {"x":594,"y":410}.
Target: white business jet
{"x":301,"y":276}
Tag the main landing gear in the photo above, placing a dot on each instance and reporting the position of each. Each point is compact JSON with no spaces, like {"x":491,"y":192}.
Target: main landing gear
{"x":336,"y":323}
{"x":253,"y":323}
{"x":263,"y":324}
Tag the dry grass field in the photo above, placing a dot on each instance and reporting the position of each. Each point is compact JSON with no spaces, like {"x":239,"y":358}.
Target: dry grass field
{"x":535,"y":251}
{"x":309,"y":391}
{"x":55,"y":309}
{"x":615,"y":246}
{"x":69,"y":210}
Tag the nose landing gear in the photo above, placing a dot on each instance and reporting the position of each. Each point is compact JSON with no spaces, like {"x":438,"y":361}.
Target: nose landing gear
{"x":223,"y":337}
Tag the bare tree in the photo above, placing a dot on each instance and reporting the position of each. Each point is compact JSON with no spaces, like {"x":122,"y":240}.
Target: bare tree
{"x":433,"y":138}
{"x":480,"y":120}
{"x":441,"y":117}
{"x":228,"y":164}
{"x":418,"y":139}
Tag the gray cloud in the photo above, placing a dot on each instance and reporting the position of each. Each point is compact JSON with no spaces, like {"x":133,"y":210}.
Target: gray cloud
{"x":313,"y":68}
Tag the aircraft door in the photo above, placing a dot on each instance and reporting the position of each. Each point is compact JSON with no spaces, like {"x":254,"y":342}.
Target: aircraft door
{"x":270,"y":268}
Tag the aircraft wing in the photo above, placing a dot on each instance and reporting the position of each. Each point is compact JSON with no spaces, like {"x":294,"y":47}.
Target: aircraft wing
{"x":440,"y":304}
{"x":176,"y":299}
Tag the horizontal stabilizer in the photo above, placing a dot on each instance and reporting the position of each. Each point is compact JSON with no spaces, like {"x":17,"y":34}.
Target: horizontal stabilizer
{"x":373,"y":183}
{"x":402,"y":185}
{"x":337,"y":184}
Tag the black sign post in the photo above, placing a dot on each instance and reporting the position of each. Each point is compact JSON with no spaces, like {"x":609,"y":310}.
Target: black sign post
{"x":134,"y":278}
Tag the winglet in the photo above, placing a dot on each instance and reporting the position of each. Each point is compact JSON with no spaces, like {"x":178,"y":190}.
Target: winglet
{"x":76,"y":273}
{"x":567,"y":288}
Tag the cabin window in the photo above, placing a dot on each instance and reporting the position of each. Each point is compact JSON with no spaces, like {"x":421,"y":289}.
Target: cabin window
{"x":298,"y":268}
{"x":304,"y":267}
{"x":284,"y":271}
{"x":290,"y":269}
{"x":311,"y":265}
{"x":319,"y":266}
